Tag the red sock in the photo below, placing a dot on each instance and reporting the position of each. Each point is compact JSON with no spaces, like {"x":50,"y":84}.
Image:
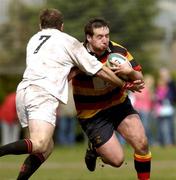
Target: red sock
{"x":143,"y":165}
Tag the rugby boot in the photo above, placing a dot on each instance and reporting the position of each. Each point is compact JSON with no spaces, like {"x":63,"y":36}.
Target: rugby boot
{"x":91,"y":157}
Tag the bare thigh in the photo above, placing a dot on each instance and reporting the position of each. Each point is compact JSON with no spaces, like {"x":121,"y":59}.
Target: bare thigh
{"x":132,"y":130}
{"x":111,"y":152}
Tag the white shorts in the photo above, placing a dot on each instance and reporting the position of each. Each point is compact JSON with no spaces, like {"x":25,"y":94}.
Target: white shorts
{"x":33,"y":103}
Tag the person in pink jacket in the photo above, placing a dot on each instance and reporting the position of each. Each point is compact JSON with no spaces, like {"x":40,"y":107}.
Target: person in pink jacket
{"x":143,"y":103}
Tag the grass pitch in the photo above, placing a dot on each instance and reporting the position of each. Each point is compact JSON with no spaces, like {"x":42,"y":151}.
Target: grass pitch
{"x":67,"y":163}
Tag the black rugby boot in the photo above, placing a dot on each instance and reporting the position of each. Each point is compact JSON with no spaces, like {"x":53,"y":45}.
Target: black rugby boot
{"x":91,"y":157}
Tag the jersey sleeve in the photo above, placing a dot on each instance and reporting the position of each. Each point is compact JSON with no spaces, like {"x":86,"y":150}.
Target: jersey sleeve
{"x":136,"y":66}
{"x":83,"y":60}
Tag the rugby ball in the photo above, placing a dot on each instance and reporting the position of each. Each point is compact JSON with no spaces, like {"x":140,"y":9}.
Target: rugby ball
{"x":118,"y":58}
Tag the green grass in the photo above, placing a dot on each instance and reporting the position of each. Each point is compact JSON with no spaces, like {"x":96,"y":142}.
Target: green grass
{"x":67,"y":163}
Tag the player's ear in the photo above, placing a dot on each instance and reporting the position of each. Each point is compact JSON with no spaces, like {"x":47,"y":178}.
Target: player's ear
{"x":88,"y":37}
{"x":40,"y":27}
{"x":62,"y":27}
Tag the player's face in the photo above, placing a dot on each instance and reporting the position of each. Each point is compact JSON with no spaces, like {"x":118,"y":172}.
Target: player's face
{"x":99,"y":42}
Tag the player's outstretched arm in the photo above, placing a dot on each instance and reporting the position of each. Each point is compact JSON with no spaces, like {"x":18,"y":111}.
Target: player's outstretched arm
{"x":106,"y":74}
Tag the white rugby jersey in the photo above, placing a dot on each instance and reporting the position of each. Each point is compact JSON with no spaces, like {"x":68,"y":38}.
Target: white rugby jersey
{"x":50,"y":56}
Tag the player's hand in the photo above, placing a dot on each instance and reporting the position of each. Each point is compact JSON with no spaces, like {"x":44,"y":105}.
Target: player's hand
{"x":135,"y":86}
{"x":121,"y":69}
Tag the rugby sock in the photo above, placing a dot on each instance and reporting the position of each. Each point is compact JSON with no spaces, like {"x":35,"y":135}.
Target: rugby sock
{"x":142,"y":165}
{"x":30,"y":165}
{"x":18,"y":147}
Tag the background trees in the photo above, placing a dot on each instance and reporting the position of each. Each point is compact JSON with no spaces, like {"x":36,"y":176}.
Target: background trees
{"x":131,"y":22}
{"x":131,"y":25}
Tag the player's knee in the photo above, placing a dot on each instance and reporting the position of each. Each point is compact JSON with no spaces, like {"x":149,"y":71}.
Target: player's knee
{"x":117,"y":162}
{"x":40,"y":146}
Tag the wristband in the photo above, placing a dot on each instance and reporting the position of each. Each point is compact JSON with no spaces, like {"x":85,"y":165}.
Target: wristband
{"x":127,"y":85}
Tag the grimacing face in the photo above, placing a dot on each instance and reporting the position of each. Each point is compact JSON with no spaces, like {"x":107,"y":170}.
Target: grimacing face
{"x":99,"y":42}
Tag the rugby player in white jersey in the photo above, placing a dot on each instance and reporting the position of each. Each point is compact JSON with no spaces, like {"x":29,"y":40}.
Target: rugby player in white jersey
{"x":50,"y":55}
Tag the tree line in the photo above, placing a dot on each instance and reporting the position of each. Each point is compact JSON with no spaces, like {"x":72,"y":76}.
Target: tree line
{"x":131,"y":23}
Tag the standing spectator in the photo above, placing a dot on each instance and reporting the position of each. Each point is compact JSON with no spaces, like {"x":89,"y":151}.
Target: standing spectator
{"x":164,"y":110}
{"x":66,"y":121}
{"x":143,"y":103}
{"x":10,"y":130}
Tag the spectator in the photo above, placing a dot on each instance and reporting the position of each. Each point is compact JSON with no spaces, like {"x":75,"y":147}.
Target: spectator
{"x":10,"y":130}
{"x":164,"y":110}
{"x":143,"y":103}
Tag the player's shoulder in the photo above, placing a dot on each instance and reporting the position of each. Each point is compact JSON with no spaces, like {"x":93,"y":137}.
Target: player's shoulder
{"x":117,"y":48}
{"x":70,"y":38}
{"x":117,"y":44}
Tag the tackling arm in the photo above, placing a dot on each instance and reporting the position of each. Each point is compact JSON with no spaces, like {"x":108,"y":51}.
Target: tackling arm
{"x":106,"y":74}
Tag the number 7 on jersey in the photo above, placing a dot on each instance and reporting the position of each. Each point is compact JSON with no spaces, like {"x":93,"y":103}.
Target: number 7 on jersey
{"x":43,"y":39}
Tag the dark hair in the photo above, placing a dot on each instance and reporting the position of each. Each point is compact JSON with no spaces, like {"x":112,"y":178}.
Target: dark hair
{"x":51,"y":18}
{"x":94,"y":23}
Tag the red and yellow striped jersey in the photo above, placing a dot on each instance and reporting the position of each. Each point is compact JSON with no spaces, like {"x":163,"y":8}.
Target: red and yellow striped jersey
{"x":92,"y":94}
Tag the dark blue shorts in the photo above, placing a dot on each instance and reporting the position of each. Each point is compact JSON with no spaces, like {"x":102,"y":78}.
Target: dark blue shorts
{"x":100,"y":127}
